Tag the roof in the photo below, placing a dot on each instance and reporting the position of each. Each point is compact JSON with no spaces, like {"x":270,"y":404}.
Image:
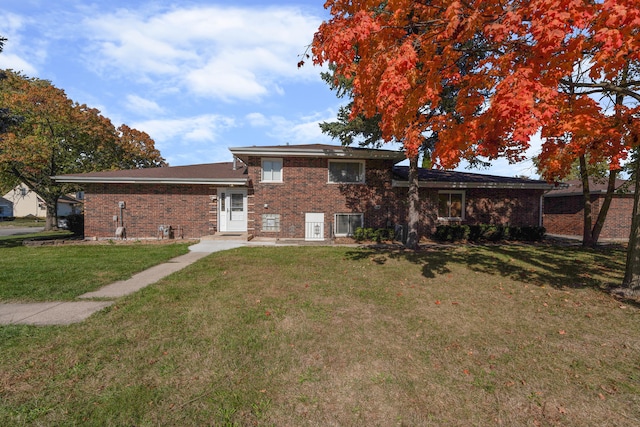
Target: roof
{"x":316,"y":150}
{"x":436,"y":178}
{"x":208,"y":173}
{"x":69,"y":200}
{"x":596,"y":186}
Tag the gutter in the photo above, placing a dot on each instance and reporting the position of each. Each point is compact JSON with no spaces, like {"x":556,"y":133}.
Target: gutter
{"x":486,"y":185}
{"x":361,"y":153}
{"x":124,"y":180}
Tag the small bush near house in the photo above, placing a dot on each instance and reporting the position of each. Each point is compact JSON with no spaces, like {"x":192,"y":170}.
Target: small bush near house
{"x":488,"y":233}
{"x":527,"y":234}
{"x":452,"y":233}
{"x":75,"y":224}
{"x":373,"y":234}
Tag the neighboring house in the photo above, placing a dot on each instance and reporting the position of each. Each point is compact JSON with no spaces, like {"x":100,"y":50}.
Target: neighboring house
{"x":564,"y":209}
{"x":6,"y":208}
{"x":312,"y":192}
{"x":25,"y":202}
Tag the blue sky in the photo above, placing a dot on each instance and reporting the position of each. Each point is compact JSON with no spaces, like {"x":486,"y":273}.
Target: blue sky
{"x":197,"y":76}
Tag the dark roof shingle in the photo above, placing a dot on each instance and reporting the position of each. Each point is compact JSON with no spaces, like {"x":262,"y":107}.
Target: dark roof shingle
{"x":208,"y":172}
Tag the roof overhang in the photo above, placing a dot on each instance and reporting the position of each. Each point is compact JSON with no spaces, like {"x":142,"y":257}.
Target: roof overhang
{"x":338,"y":152}
{"x":128,"y":180}
{"x":482,"y":185}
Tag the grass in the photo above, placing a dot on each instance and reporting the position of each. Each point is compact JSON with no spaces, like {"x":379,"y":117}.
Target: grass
{"x":14,"y":241}
{"x":309,"y":336}
{"x":50,"y":273}
{"x":23,"y":222}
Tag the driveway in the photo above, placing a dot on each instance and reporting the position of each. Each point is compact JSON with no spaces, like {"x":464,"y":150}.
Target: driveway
{"x":11,"y":231}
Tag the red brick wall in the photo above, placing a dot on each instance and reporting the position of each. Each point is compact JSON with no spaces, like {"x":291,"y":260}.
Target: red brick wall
{"x":498,"y":206}
{"x":565,"y":215}
{"x":483,"y":206}
{"x":147,"y":207}
{"x":305,"y":189}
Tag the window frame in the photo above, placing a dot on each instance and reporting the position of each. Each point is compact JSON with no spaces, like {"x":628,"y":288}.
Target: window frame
{"x":335,"y":223}
{"x":363,"y":171}
{"x":262,"y":169}
{"x":463,"y":207}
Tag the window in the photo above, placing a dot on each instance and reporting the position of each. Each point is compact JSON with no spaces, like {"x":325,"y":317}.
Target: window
{"x":272,"y":170}
{"x":346,"y":172}
{"x":451,"y":204}
{"x":270,"y":222}
{"x":346,"y":223}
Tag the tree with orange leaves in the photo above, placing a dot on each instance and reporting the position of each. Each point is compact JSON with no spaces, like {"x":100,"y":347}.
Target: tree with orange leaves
{"x":547,"y":65}
{"x":58,"y":136}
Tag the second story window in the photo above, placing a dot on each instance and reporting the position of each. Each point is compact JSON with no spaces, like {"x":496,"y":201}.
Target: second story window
{"x":271,"y":170}
{"x":346,"y":172}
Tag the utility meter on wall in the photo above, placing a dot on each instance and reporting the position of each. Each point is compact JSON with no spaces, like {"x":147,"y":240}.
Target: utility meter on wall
{"x":121,"y":205}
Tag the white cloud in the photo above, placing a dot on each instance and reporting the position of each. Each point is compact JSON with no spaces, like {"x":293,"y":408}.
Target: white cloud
{"x":142,"y":106}
{"x":257,"y":119}
{"x":215,"y":52}
{"x":16,"y":55}
{"x":203,"y":128}
{"x":16,"y":63}
{"x":188,"y":140}
{"x":300,"y":130}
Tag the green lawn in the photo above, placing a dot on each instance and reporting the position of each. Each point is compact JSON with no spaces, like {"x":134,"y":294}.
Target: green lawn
{"x":52,"y":273}
{"x":23,"y":222}
{"x":315,"y":336}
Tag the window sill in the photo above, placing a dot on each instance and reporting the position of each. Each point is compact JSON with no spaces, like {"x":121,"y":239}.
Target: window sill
{"x":347,"y":183}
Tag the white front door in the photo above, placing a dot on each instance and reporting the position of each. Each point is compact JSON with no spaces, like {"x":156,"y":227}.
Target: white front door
{"x":314,"y":226}
{"x":232,"y":209}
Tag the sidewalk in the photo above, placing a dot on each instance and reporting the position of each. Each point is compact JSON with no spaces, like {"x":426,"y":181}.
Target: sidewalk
{"x":66,"y":313}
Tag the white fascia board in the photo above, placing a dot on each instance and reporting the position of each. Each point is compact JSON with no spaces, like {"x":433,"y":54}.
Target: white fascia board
{"x":470,"y":185}
{"x":318,"y":152}
{"x":97,"y":180}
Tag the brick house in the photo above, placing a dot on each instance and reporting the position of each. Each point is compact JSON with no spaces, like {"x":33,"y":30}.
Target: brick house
{"x":564,"y":209}
{"x":311,"y":192}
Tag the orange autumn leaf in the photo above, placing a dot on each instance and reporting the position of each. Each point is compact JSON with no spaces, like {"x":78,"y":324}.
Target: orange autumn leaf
{"x":537,"y":76}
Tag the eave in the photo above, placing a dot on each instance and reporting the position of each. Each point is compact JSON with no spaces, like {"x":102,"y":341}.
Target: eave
{"x":473,"y":185}
{"x":339,"y":152}
{"x":125,"y":180}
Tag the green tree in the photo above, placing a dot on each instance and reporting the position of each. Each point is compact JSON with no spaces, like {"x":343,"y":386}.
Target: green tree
{"x":58,"y":136}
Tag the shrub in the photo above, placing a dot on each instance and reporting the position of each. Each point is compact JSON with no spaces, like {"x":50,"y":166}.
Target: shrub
{"x":488,"y":233}
{"x":452,"y":233}
{"x":372,"y":234}
{"x":75,"y":224}
{"x":527,"y":233}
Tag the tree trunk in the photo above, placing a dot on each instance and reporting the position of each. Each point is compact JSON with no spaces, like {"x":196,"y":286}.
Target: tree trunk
{"x":51,"y":222}
{"x":413,"y":237}
{"x":631,"y":281}
{"x":587,"y":241}
{"x":604,"y":209}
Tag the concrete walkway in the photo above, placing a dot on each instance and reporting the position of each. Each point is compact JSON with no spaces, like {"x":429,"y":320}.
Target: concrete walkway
{"x":66,"y":313}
